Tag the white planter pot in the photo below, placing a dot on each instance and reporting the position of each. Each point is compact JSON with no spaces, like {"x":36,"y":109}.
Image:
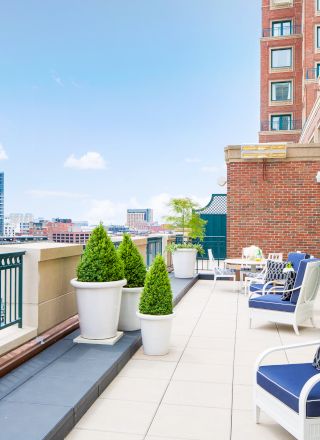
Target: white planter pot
{"x":128,"y":320}
{"x":98,"y":308}
{"x":184,"y":262}
{"x":156,"y":331}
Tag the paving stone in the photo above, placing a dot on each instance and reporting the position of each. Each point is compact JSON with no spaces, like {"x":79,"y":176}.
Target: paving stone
{"x":25,"y":421}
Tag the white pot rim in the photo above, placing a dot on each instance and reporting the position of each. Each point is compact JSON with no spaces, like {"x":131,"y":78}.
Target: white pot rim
{"x":132,"y":289}
{"x":185,"y":250}
{"x":96,"y":285}
{"x":154,"y":317}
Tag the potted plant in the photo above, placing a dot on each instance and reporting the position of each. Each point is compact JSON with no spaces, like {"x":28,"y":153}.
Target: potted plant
{"x":192,"y":226}
{"x":155,"y":309}
{"x":99,"y":282}
{"x":135,"y":273}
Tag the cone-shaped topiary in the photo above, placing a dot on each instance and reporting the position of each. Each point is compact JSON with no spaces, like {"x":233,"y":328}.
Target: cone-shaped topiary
{"x":156,"y":297}
{"x":134,"y":268}
{"x":100,"y":261}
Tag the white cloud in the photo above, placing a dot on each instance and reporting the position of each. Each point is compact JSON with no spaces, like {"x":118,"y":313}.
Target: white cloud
{"x":107,"y":211}
{"x":3,"y":154}
{"x":89,"y":161}
{"x":192,"y":160}
{"x":210,"y":169}
{"x":56,"y":78}
{"x":110,"y":212}
{"x":63,"y":194}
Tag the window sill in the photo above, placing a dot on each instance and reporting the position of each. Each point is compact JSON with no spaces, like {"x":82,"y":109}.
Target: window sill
{"x":280,"y":103}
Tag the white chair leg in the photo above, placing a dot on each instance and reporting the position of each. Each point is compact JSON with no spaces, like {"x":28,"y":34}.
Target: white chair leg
{"x":234,"y":283}
{"x":257,"y":412}
{"x":312,"y":321}
{"x":296,"y":329}
{"x":250,"y":322}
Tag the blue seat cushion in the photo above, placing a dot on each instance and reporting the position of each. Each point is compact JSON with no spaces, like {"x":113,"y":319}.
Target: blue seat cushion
{"x":254,"y":287}
{"x":271,"y":302}
{"x":285,"y":382}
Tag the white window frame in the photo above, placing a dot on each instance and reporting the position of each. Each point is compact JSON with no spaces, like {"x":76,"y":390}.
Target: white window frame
{"x":287,"y":101}
{"x":277,"y":69}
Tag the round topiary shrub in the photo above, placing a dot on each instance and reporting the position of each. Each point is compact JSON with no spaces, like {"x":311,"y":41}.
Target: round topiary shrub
{"x":135,"y":270}
{"x":100,"y":261}
{"x":156,"y":297}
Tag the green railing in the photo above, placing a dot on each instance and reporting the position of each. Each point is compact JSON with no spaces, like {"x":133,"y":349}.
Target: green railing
{"x":154,"y":247}
{"x":217,"y":243}
{"x":11,"y":288}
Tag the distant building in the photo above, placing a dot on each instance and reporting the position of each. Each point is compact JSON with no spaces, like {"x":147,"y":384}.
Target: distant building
{"x":9,"y":230}
{"x":139,"y":218}
{"x":117,"y":229}
{"x":19,"y":217}
{"x":61,"y":220}
{"x":71,"y":237}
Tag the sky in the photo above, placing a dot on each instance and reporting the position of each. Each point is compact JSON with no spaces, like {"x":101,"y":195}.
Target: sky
{"x":114,"y":104}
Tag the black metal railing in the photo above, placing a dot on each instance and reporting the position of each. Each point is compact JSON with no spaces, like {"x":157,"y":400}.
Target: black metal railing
{"x":11,"y":289}
{"x":284,"y":31}
{"x":217,"y":244}
{"x":281,"y":125}
{"x":154,"y":247}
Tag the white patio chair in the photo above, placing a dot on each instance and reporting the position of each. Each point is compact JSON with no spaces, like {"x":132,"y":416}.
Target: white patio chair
{"x":289,"y":393}
{"x":259,"y":277}
{"x":299,"y":308}
{"x":247,"y":253}
{"x":221,"y":273}
{"x":263,"y":287}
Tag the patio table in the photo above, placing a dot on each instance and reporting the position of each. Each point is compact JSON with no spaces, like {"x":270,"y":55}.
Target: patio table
{"x":245,"y":262}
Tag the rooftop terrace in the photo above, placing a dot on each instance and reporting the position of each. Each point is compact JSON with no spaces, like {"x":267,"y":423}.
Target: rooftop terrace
{"x":203,"y":388}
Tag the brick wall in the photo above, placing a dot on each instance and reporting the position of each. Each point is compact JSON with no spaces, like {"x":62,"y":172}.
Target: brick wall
{"x":277,"y":209}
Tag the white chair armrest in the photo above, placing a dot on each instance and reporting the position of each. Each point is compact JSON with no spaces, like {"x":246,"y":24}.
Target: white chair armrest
{"x":266,"y":353}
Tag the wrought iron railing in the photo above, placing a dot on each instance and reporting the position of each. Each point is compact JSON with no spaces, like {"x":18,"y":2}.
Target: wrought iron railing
{"x":11,"y":289}
{"x":282,"y":32}
{"x":285,"y":124}
{"x":154,"y":247}
{"x":217,"y":244}
{"x":312,"y":73}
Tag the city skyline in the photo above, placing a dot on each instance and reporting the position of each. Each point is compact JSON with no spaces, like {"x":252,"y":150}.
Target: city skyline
{"x":108,"y":110}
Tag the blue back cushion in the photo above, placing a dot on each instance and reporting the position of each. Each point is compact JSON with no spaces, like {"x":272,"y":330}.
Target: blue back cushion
{"x":299,"y":278}
{"x":296,"y":257}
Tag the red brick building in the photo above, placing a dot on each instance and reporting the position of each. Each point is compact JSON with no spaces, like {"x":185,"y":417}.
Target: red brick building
{"x":290,"y":67}
{"x":274,"y":203}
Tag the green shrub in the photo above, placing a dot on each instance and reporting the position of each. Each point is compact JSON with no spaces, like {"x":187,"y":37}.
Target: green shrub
{"x":134,"y":268}
{"x":156,"y":297}
{"x":100,"y":261}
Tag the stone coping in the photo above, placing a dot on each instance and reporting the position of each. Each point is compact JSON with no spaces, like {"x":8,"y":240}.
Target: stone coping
{"x":295,"y":152}
{"x":44,"y":398}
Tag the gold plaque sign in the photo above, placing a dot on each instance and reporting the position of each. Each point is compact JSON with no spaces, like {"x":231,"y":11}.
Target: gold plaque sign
{"x":264,"y":151}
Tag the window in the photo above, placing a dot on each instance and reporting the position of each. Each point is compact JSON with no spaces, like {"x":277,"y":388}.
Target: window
{"x":281,"y":58}
{"x":281,"y":91}
{"x":318,"y":37}
{"x":281,"y":28}
{"x":318,"y":5}
{"x":281,"y":122}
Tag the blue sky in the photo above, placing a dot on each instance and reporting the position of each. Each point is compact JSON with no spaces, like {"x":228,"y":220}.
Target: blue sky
{"x":109,"y":104}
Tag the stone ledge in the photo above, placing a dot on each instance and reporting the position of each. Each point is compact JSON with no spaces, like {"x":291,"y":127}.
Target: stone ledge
{"x":295,"y":152}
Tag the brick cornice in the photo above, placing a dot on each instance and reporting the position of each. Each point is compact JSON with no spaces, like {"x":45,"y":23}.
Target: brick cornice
{"x":295,"y":152}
